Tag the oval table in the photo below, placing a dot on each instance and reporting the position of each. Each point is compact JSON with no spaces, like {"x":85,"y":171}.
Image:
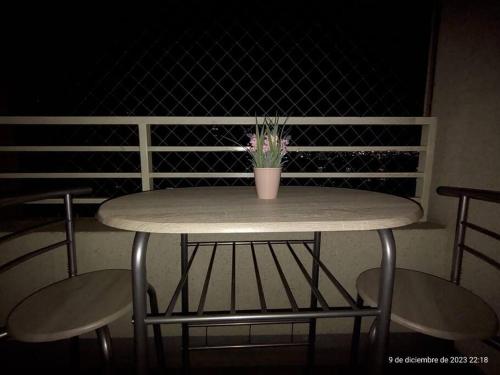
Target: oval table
{"x":237,"y":210}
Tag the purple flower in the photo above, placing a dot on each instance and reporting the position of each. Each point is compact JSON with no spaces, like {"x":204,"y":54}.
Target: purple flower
{"x":267,"y":146}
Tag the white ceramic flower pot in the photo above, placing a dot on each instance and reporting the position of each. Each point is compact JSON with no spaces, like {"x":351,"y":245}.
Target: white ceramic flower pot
{"x":267,"y":182}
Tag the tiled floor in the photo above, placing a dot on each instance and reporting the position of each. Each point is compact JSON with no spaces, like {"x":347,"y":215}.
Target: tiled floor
{"x":332,"y":357}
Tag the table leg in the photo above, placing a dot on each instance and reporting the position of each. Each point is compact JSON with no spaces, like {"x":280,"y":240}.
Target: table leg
{"x":185,"y":304}
{"x":313,"y":304}
{"x":139,"y":289}
{"x":388,"y":264}
{"x":356,"y":333}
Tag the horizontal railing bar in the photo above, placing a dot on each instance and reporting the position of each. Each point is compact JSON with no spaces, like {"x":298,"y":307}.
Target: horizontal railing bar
{"x":43,"y":175}
{"x":30,"y":255}
{"x":288,"y":291}
{"x":481,"y":256}
{"x":256,"y":242}
{"x":43,"y":194}
{"x":203,"y":297}
{"x":290,"y":148}
{"x":208,"y":149}
{"x":287,"y":175}
{"x":69,"y":148}
{"x":257,"y":315}
{"x":317,"y":293}
{"x":194,"y":120}
{"x":75,"y":201}
{"x":180,"y":285}
{"x":482,"y":230}
{"x":212,"y":175}
{"x":333,"y":279}
{"x":248,"y":346}
{"x":26,"y":230}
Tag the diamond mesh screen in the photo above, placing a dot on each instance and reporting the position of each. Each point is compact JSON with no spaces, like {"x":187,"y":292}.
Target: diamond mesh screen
{"x":251,"y":68}
{"x":311,"y":135}
{"x":231,"y":70}
{"x":307,"y":62}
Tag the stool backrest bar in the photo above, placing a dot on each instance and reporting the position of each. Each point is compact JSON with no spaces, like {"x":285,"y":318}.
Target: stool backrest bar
{"x":464,"y":196}
{"x":69,"y":242}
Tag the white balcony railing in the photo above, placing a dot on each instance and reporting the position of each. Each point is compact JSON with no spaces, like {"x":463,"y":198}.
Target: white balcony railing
{"x":145,"y":148}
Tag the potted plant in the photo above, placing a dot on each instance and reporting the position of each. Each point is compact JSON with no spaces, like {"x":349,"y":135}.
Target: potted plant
{"x":267,"y":147}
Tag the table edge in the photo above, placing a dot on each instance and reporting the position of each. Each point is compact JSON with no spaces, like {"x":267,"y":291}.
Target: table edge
{"x":262,"y":227}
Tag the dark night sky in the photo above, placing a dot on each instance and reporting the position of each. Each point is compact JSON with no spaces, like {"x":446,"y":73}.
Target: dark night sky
{"x":49,"y":51}
{"x":50,"y":48}
{"x":53,"y":56}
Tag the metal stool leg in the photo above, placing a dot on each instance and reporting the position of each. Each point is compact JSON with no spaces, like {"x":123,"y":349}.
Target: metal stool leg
{"x":160,"y":354}
{"x":104,"y":339}
{"x":373,"y":332}
{"x":356,"y":332}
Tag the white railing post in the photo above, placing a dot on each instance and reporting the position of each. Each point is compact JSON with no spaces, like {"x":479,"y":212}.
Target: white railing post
{"x":145,"y":153}
{"x":425,"y":163}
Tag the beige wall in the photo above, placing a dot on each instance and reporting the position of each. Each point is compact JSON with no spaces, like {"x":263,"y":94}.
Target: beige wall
{"x":467,"y":99}
{"x":467,"y":102}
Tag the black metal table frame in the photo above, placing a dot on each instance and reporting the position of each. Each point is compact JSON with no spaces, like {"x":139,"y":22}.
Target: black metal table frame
{"x":379,"y":331}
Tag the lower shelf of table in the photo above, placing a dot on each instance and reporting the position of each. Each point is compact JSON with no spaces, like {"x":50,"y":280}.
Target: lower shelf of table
{"x":298,"y":249}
